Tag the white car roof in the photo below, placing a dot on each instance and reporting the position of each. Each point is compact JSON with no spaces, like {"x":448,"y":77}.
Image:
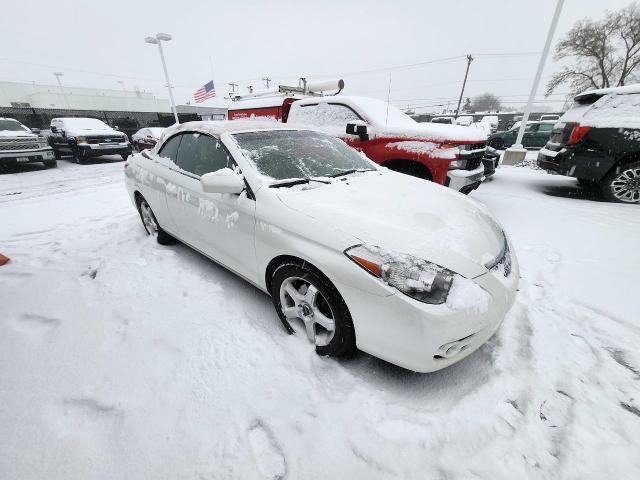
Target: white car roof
{"x":634,"y":88}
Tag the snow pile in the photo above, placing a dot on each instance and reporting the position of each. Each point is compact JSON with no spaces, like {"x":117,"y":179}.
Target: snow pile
{"x":614,"y":111}
{"x":466,"y":294}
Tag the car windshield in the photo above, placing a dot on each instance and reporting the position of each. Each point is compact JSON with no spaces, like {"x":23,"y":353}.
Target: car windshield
{"x":85,"y":123}
{"x":285,"y":154}
{"x":12,"y":126}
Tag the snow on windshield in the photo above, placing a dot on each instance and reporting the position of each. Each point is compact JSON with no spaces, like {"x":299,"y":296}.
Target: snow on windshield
{"x":85,"y":123}
{"x":10,"y":125}
{"x":614,"y":111}
{"x":299,"y":154}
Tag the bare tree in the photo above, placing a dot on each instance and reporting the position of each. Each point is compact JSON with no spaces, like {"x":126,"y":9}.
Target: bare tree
{"x":486,"y":102}
{"x":606,"y":52}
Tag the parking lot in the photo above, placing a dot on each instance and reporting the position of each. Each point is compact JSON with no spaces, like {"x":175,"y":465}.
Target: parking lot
{"x":123,"y":358}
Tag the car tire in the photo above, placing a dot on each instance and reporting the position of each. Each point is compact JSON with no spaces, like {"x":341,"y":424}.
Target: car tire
{"x":310,"y":298}
{"x":77,"y":156}
{"x":496,"y":143}
{"x":52,"y":164}
{"x":622,"y":184}
{"x":150,"y":223}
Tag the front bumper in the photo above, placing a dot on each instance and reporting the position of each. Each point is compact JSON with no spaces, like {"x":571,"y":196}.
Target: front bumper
{"x":465,"y":180}
{"x":425,"y":338}
{"x":87,"y":150}
{"x":26,"y":156}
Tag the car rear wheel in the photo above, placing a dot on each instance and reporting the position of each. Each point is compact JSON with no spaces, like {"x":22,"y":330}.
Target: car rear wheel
{"x":151,"y":225}
{"x":307,"y":299}
{"x":623,"y":184}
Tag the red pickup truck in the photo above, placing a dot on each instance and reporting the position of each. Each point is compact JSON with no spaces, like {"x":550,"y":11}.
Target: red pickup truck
{"x":446,"y":154}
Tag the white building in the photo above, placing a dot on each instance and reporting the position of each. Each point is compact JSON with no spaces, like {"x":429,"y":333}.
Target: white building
{"x":14,"y":94}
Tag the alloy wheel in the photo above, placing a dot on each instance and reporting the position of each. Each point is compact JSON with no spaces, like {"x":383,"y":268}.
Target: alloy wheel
{"x":148,"y":219}
{"x":301,"y":300}
{"x":626,"y":185}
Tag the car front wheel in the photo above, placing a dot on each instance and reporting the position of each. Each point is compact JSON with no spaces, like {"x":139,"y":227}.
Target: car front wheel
{"x":496,"y":143}
{"x":150,"y":223}
{"x":305,"y":298}
{"x":623,"y":184}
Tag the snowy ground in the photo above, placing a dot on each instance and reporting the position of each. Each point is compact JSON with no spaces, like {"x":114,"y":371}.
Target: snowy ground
{"x":120,"y":358}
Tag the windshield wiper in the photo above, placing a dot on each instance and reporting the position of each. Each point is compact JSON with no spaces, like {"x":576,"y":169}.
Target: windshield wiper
{"x":296,"y":181}
{"x":350,"y":171}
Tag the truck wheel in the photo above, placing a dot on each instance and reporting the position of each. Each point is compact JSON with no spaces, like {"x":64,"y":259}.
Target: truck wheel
{"x":77,"y":156}
{"x":622,"y":184}
{"x":51,"y":164}
{"x":56,"y":154}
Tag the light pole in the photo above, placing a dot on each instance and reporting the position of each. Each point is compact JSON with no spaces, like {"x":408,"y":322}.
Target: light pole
{"x":64,"y":95}
{"x":157,"y":40}
{"x":516,"y":153}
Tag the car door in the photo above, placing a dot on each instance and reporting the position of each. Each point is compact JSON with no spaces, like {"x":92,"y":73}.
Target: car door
{"x":220,"y":225}
{"x":543,"y":134}
{"x":529,"y":137}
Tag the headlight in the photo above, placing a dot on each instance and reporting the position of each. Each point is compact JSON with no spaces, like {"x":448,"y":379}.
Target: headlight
{"x":458,"y":164}
{"x":125,"y":139}
{"x":81,"y":139}
{"x":419,"y":279}
{"x":43,"y":144}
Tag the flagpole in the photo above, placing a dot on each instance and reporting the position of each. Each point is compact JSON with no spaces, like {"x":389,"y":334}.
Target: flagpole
{"x":211,"y":65}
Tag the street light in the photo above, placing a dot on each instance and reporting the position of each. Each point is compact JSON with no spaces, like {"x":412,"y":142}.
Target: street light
{"x":157,"y":40}
{"x":64,"y":95}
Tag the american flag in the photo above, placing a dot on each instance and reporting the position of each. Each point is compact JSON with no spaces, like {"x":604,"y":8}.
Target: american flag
{"x":205,"y":92}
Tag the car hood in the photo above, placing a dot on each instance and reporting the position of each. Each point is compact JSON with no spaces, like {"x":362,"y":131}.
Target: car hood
{"x":88,"y":132}
{"x":16,"y":134}
{"x":406,"y":215}
{"x":437,"y":132}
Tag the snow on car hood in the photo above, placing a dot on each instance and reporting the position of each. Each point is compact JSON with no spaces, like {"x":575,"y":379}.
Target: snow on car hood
{"x":406,"y":215}
{"x":15,"y":133}
{"x":433,"y":132}
{"x":93,"y":131}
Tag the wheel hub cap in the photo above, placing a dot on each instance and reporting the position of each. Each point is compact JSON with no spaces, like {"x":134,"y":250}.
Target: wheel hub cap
{"x":302,"y":301}
{"x":626,"y":186}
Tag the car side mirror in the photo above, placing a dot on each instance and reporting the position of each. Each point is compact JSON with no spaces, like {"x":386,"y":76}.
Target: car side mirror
{"x":358,"y":128}
{"x":35,"y":130}
{"x":54,"y":129}
{"x":222,"y":181}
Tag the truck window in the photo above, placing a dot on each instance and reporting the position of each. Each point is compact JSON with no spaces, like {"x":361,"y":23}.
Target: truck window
{"x":322,"y":114}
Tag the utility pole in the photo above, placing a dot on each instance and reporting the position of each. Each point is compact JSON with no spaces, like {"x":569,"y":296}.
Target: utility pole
{"x":516,"y":153}
{"x":233,"y":86}
{"x":267,"y":80}
{"x":464,"y":83}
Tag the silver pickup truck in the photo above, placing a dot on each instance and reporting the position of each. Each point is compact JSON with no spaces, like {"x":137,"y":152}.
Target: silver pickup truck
{"x":18,"y":144}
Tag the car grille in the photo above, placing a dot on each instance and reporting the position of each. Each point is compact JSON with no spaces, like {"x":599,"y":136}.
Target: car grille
{"x":474,"y":146}
{"x":19,"y":144}
{"x":473,"y":163}
{"x":105,"y":139}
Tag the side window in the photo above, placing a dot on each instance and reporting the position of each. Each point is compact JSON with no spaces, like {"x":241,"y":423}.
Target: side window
{"x":200,"y":154}
{"x":322,"y":114}
{"x":170,"y":148}
{"x":531,"y":128}
{"x":546,"y":127}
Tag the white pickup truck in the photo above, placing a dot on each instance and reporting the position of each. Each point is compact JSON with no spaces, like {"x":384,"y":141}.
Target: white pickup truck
{"x":18,"y":144}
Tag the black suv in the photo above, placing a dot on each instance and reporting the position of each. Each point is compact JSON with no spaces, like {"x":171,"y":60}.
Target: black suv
{"x":598,"y":142}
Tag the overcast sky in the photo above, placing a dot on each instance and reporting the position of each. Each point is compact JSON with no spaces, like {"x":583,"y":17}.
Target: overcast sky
{"x":96,"y":44}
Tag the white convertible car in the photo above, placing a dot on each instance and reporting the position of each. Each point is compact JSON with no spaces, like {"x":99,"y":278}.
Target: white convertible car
{"x":352,"y":254}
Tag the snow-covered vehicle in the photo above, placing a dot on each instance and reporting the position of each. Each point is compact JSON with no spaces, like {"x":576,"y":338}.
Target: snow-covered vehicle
{"x":18,"y":144}
{"x":598,"y":142}
{"x":354,"y":254}
{"x":464,"y":120}
{"x":146,"y":137}
{"x":446,"y":154}
{"x":83,"y":138}
{"x":492,"y":121}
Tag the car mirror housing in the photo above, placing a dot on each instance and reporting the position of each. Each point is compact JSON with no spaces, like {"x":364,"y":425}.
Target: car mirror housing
{"x":54,"y":129}
{"x":358,"y":128}
{"x":222,"y":181}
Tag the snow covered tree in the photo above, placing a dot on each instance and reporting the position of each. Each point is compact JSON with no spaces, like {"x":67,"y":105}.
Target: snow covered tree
{"x":605,"y":53}
{"x":467,"y":105}
{"x":487,"y":102}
